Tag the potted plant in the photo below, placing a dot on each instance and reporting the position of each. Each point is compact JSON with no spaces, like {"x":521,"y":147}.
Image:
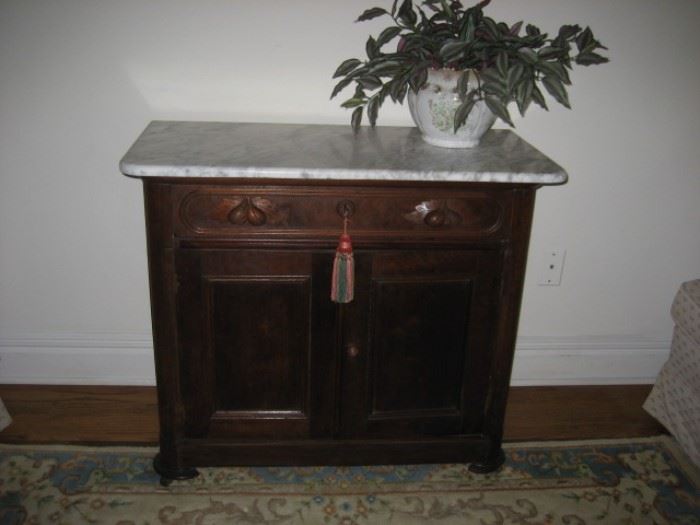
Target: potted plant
{"x":460,"y":69}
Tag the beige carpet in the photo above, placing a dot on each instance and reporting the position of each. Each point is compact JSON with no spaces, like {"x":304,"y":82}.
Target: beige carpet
{"x":635,"y":481}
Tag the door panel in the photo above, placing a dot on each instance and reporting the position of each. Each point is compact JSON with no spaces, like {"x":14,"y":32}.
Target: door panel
{"x":406,"y":376}
{"x":421,"y":368}
{"x":259,"y":337}
{"x":247,"y":355}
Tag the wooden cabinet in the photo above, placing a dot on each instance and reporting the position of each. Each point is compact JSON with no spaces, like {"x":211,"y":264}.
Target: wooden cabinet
{"x":255,"y":363}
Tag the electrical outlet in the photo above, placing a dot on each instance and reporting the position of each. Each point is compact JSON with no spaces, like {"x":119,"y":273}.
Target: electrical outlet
{"x":551,"y":268}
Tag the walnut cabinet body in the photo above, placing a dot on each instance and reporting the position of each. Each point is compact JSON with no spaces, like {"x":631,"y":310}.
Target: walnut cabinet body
{"x":256,"y":366}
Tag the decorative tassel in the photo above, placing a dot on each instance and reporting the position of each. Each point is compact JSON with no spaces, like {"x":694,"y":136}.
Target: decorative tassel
{"x":343,"y":280}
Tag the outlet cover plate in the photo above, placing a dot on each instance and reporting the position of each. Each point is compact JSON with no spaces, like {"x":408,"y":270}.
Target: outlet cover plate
{"x":551,"y":268}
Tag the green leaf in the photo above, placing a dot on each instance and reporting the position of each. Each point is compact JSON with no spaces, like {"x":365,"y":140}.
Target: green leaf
{"x":388,"y":67}
{"x":406,"y":13}
{"x":538,"y":97}
{"x":383,"y":93}
{"x":463,"y":83}
{"x":532,"y":30}
{"x":528,"y":55}
{"x":340,"y":86}
{"x":418,"y":78}
{"x":491,"y":28}
{"x":370,"y":82}
{"x":545,"y":67}
{"x":346,"y":66}
{"x":356,"y":119}
{"x":373,"y":109}
{"x":523,"y":95}
{"x":502,"y":64}
{"x":591,"y":58}
{"x":565,"y":35}
{"x":371,"y":48}
{"x":392,"y":88}
{"x":430,"y":4}
{"x":550,"y":52}
{"x":401,"y":92}
{"x":424,"y":20}
{"x":386,"y":35}
{"x":562,"y":73}
{"x":353,"y":102}
{"x":462,"y":112}
{"x":515,"y":75}
{"x":399,"y":86}
{"x":359,"y":91}
{"x":555,"y":88}
{"x":568,"y":31}
{"x":466,"y":32}
{"x":554,"y":69}
{"x":452,"y":50}
{"x":491,"y":75}
{"x":499,"y":109}
{"x":495,"y":88}
{"x":585,"y":39}
{"x":446,"y":9}
{"x":369,"y":14}
{"x":393,"y":7}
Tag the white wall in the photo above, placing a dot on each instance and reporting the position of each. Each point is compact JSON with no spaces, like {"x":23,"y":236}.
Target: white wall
{"x":80,"y":79}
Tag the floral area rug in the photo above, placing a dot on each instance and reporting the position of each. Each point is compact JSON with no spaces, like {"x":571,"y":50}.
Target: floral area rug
{"x":632,"y":481}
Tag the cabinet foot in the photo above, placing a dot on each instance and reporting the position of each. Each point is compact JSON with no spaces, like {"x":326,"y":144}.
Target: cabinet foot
{"x":168,"y":475}
{"x":491,"y":464}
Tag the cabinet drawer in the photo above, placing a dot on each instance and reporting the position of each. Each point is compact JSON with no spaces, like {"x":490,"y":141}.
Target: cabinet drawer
{"x":313,"y":213}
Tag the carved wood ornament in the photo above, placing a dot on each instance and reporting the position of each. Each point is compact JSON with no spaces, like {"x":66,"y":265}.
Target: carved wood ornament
{"x":203,"y":211}
{"x":434,"y":213}
{"x":250,"y":211}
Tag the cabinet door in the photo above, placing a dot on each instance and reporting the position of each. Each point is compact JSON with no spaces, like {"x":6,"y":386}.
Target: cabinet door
{"x":418,"y":340}
{"x":248,"y":355}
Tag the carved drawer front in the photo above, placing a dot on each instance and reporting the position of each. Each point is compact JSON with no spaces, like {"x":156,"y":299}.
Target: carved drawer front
{"x":293,"y":212}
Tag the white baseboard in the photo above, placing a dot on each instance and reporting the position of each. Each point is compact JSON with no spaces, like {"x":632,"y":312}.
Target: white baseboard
{"x":118,"y":359}
{"x":588,"y":360}
{"x":77,"y":359}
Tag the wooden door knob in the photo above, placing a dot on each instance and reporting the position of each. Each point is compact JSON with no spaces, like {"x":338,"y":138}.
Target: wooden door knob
{"x":352,"y":350}
{"x":435,"y":218}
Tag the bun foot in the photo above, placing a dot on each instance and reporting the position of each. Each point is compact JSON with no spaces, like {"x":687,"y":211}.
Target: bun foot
{"x":165,"y":482}
{"x":168,"y":475}
{"x":491,"y":464}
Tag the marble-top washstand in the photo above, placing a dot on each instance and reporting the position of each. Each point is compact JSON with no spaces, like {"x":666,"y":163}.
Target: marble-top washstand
{"x":310,"y":151}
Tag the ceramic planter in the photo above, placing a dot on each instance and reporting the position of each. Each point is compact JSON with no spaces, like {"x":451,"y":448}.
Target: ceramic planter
{"x":433,"y":109}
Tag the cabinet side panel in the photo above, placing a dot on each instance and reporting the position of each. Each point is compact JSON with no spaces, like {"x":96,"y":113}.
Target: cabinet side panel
{"x":162,"y":282}
{"x":514,"y":263}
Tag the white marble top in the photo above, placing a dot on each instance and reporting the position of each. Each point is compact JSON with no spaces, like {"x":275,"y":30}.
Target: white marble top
{"x":310,"y":151}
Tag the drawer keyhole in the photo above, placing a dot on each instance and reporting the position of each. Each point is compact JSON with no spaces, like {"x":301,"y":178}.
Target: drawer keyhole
{"x":346,"y":209}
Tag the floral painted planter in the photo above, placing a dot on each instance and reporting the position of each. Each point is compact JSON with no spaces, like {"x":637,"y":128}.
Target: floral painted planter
{"x":433,"y":109}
